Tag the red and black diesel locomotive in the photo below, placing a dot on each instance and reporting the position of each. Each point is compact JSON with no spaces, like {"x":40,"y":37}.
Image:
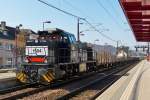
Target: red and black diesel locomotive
{"x":56,"y":54}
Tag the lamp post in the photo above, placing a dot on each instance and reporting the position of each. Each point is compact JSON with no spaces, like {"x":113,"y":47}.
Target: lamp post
{"x":78,"y":29}
{"x":44,"y":24}
{"x":118,"y":46}
{"x":96,"y":40}
{"x":84,"y":31}
{"x":81,"y":32}
{"x":16,"y":46}
{"x":105,"y":52}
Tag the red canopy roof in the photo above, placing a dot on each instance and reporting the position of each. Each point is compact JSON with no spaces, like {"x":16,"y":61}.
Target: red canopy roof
{"x":138,"y":15}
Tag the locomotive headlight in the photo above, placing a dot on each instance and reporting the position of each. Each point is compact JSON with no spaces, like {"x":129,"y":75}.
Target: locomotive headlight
{"x":26,"y":60}
{"x":45,"y":61}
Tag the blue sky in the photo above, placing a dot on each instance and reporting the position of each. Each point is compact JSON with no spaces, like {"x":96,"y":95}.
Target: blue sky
{"x":32,"y":13}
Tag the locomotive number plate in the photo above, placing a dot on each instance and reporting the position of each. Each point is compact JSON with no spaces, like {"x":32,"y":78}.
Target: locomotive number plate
{"x":37,"y":50}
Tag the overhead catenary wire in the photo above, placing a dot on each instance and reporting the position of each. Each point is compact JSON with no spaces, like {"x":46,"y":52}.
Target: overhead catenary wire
{"x":78,"y":10}
{"x":75,"y":16}
{"x":50,"y":5}
{"x":99,"y":31}
{"x":110,"y":15}
{"x":115,"y":11}
{"x":72,"y":6}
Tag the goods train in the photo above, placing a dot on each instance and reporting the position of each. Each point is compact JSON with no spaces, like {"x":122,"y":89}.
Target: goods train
{"x":56,"y":54}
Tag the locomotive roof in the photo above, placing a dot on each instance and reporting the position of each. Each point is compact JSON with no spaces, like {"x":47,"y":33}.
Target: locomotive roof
{"x":53,"y":31}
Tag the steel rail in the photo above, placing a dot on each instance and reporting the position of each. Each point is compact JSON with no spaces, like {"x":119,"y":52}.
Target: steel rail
{"x":15,"y":88}
{"x":108,"y":85}
{"x":79,"y":90}
{"x":56,"y":85}
{"x":46,"y":87}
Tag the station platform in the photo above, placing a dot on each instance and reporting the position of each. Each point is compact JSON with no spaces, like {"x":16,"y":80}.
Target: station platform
{"x":7,"y":70}
{"x":7,"y":76}
{"x":134,"y":85}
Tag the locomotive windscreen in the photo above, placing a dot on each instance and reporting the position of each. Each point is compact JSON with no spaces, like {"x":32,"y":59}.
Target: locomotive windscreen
{"x":36,"y":51}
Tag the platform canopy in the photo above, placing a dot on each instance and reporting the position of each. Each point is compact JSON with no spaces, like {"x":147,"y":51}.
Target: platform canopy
{"x":137,"y":13}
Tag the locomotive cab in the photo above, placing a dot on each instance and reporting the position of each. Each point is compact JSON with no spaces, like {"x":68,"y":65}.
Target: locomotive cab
{"x":57,"y":35}
{"x":44,"y":54}
{"x":62,"y":42}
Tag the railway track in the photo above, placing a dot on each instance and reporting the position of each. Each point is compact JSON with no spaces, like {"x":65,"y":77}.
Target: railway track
{"x":93,"y":89}
{"x":60,"y":92}
{"x":15,"y":88}
{"x":57,"y":91}
{"x":21,"y":91}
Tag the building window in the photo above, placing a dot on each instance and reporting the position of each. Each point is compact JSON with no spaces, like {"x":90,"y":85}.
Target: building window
{"x":11,"y":46}
{"x":1,"y":61}
{"x":5,"y":33}
{"x":8,"y":46}
{"x":1,"y":45}
{"x":9,"y":60}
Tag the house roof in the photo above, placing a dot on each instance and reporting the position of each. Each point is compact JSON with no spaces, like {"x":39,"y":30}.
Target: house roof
{"x":55,"y":30}
{"x":10,"y":35}
{"x":28,"y":31}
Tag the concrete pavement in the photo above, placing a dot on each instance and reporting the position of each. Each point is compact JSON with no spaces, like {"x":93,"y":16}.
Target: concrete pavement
{"x":135,"y":85}
{"x":7,"y":76}
{"x":7,"y":70}
{"x":142,"y":90}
